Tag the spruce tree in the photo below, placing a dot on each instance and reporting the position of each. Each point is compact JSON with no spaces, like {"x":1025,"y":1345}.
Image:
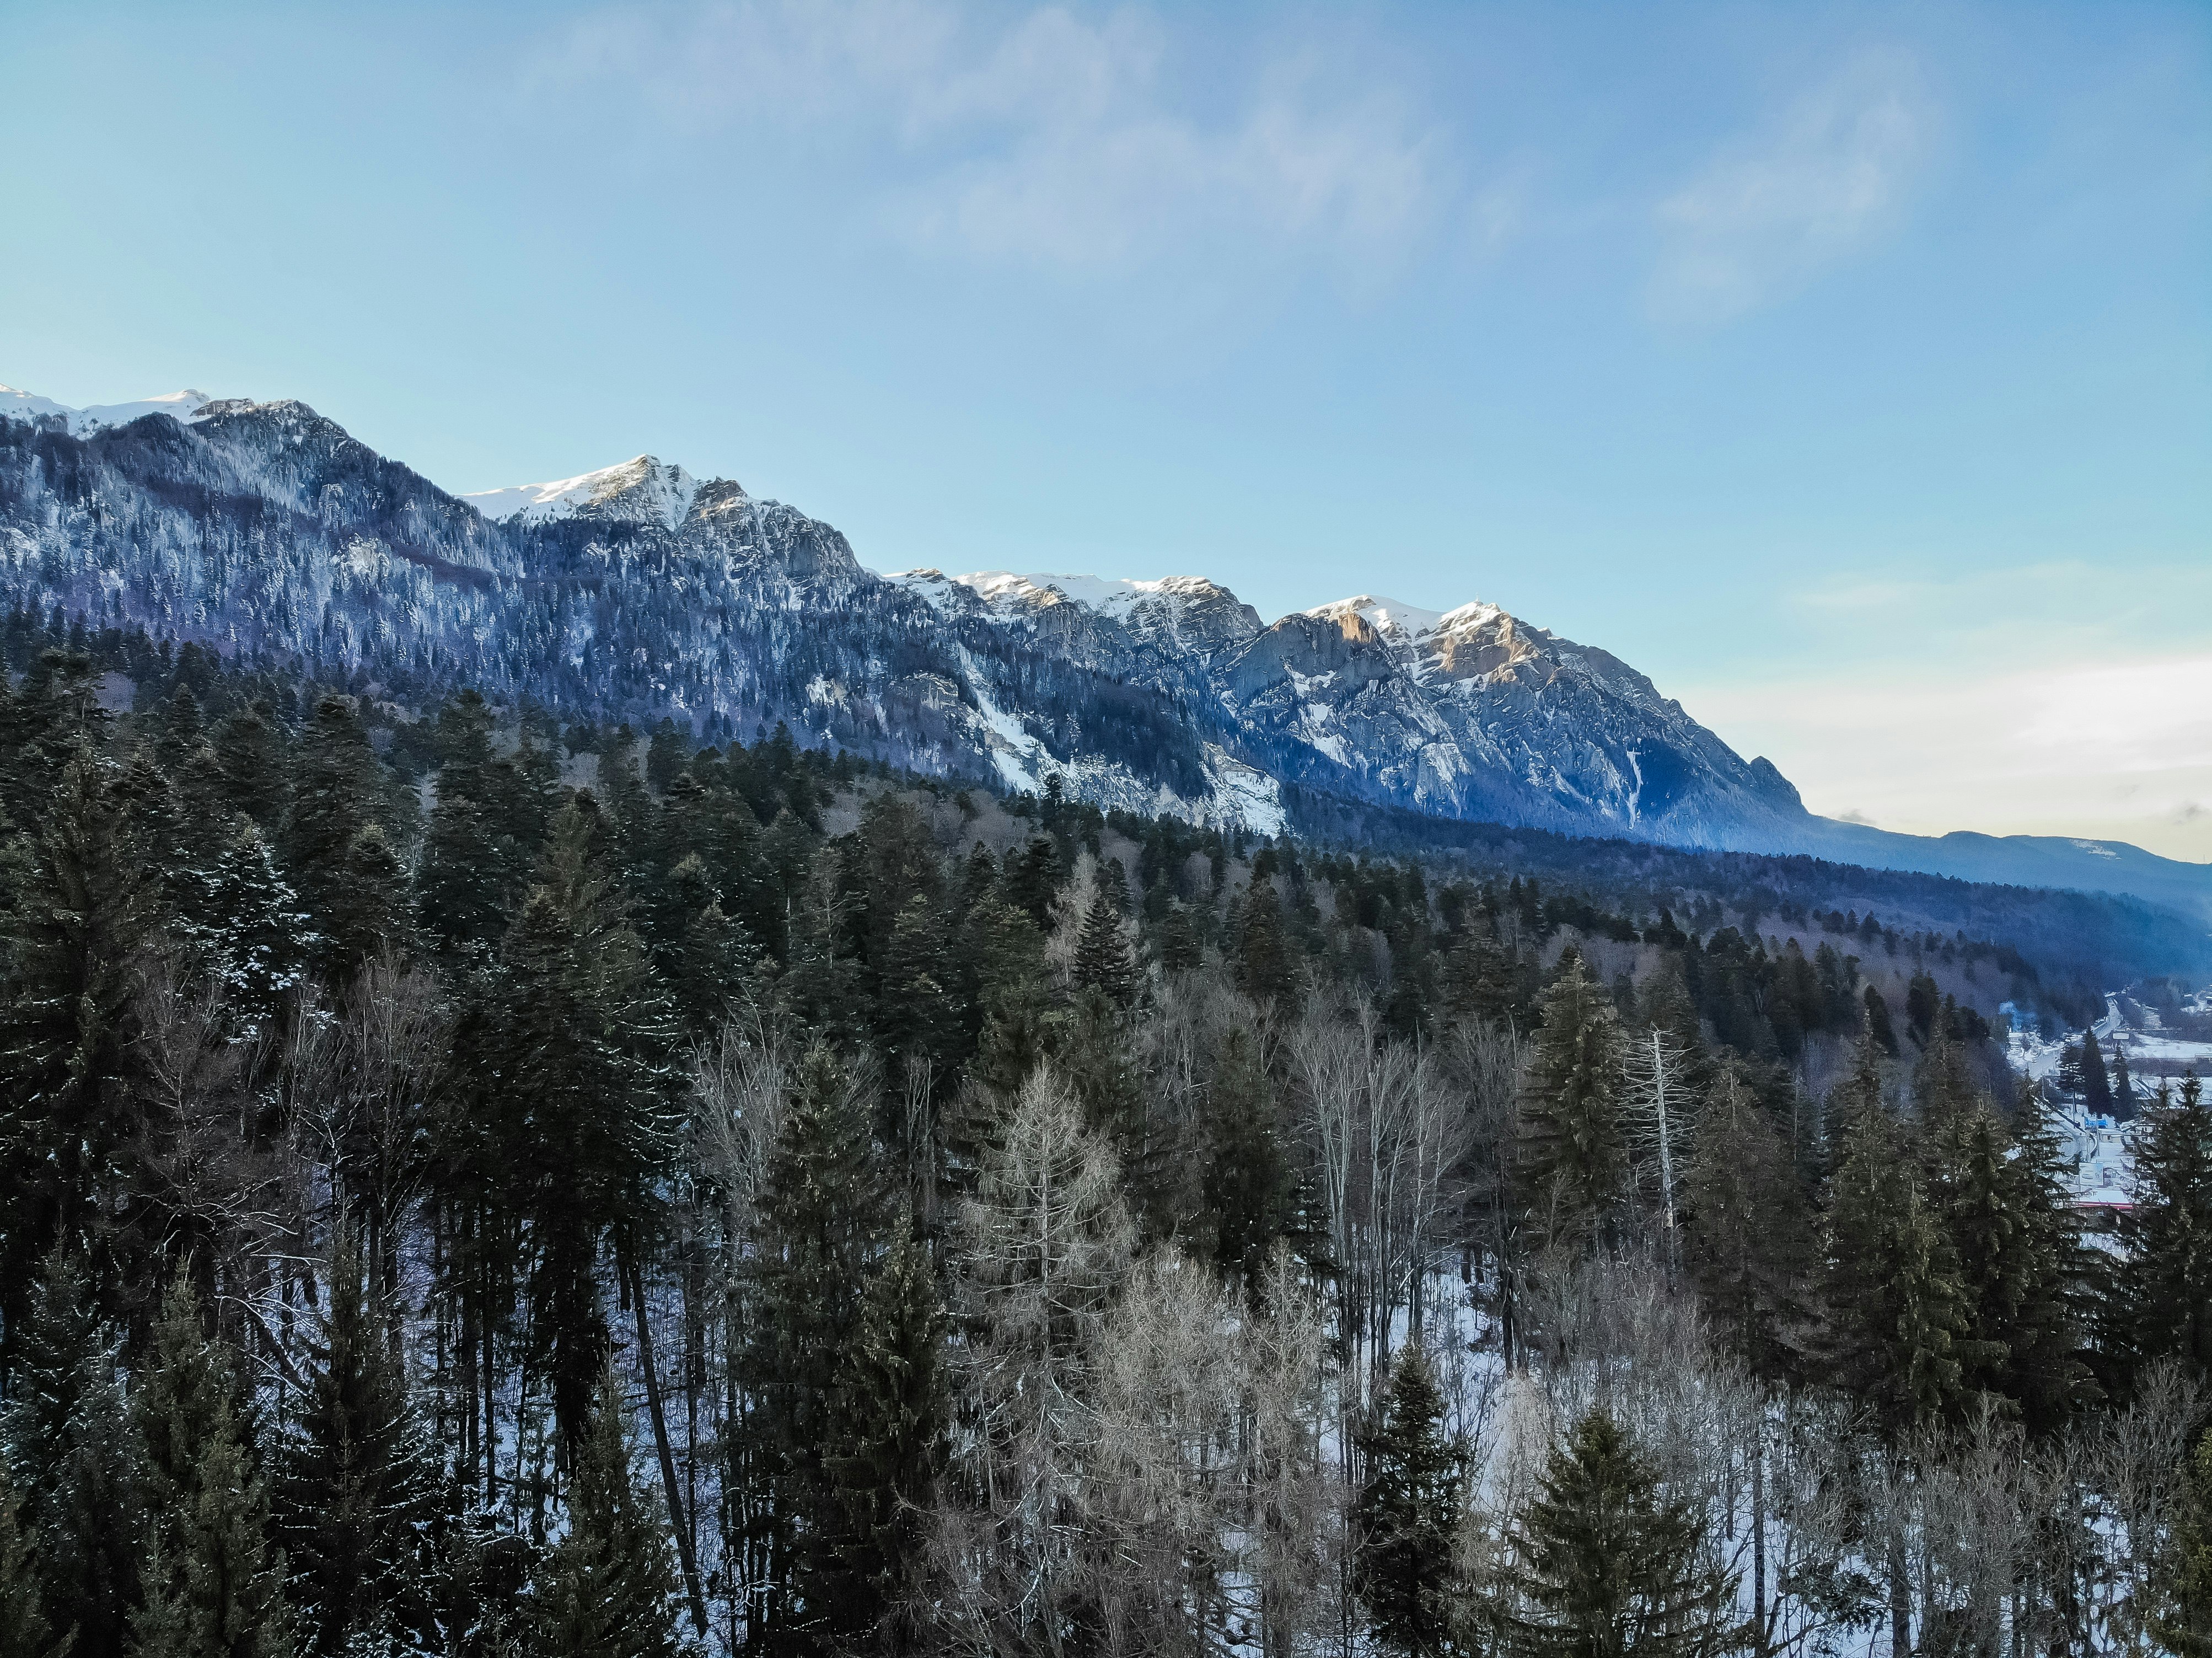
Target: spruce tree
{"x":1878,"y":1024}
{"x":1571,"y":1161}
{"x":1407,"y":1513}
{"x":2096,"y":1084}
{"x":23,"y":1631}
{"x":364,"y":907}
{"x":2017,"y":1242}
{"x":1896,"y":1312}
{"x":886,"y":1451}
{"x":2165,"y":1279}
{"x":1103,"y":959}
{"x":257,"y":938}
{"x":821,"y":1216}
{"x":333,"y":797}
{"x":1750,"y":1245}
{"x":68,"y":1123}
{"x":248,"y":749}
{"x":1604,"y":1562}
{"x":354,"y":1490}
{"x":213,"y":1588}
{"x":1247,"y":1184}
{"x":1266,"y":970}
{"x":74,"y":1459}
{"x":607,"y":1589}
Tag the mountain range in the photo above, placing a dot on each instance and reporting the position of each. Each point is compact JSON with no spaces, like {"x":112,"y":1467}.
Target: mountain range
{"x":640,"y":592}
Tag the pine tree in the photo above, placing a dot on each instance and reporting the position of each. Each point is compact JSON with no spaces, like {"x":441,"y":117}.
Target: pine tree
{"x":919,"y":1014}
{"x":1750,"y":1247}
{"x":71,"y":1452}
{"x":2017,"y":1244}
{"x":607,"y":1589}
{"x":257,"y":938}
{"x":820,"y":1219}
{"x":1103,"y":959}
{"x":1878,"y":1024}
{"x":1409,"y":1514}
{"x":364,"y":907}
{"x":1896,"y":1310}
{"x":1265,"y":969}
{"x":2096,"y":1085}
{"x":23,"y":1631}
{"x":1572,"y":1163}
{"x":213,"y":1588}
{"x":581,"y":1065}
{"x":354,"y":1488}
{"x":67,"y":1121}
{"x":1604,"y":1562}
{"x":333,"y":799}
{"x":2167,"y":1279}
{"x":1247,"y":1183}
{"x":249,"y":757}
{"x":2123,"y":1085}
{"x":886,"y":1452}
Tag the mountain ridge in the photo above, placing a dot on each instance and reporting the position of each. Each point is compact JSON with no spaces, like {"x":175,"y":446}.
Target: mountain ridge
{"x":640,"y":591}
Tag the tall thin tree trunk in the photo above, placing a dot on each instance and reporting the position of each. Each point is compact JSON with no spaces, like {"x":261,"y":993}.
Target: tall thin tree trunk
{"x":678,"y":1519}
{"x":1764,"y":1636}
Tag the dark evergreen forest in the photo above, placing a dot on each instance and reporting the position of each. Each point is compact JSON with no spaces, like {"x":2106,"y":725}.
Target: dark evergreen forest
{"x":475,"y":1185}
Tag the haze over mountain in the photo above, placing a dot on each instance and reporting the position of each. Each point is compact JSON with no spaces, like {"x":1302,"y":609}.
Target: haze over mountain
{"x":641,"y":591}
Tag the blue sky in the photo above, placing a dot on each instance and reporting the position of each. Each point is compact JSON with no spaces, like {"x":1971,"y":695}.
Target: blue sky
{"x":1847,"y":369}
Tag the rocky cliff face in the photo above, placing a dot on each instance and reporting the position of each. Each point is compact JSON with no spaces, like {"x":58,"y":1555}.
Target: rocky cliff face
{"x":639,"y":592}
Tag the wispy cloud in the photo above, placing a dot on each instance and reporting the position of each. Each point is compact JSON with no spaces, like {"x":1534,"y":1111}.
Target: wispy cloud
{"x":1822,"y":182}
{"x":1044,"y":135}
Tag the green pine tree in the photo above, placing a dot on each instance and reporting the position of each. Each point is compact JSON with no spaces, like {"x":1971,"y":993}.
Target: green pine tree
{"x":1248,"y":1182}
{"x":821,"y":1216}
{"x":1409,"y":1514}
{"x":365,"y":905}
{"x":2166,"y":1280}
{"x":1266,"y":970}
{"x":1604,"y":1562}
{"x":70,"y":1450}
{"x":1571,"y":1161}
{"x":354,"y":1488}
{"x":887,"y":1447}
{"x":1750,"y":1246}
{"x":23,"y":1630}
{"x":249,"y":750}
{"x":1896,"y":1309}
{"x":1103,"y":961}
{"x":2017,"y":1246}
{"x":68,"y":1123}
{"x":607,"y":1589}
{"x":214,"y":1588}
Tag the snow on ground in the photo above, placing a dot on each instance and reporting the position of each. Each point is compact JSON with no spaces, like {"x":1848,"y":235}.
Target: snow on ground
{"x":183,"y":406}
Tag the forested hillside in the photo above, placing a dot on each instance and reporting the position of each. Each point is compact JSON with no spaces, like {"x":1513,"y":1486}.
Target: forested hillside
{"x":477,"y":1185}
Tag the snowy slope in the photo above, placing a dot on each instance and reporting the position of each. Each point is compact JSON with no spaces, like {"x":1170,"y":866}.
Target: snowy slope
{"x":640,"y":591}
{"x":643,"y":490}
{"x":83,"y":423}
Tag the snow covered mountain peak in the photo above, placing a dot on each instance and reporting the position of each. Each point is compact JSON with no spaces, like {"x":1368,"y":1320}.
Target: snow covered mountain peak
{"x":641,"y":491}
{"x":186,"y":406}
{"x":1393,"y":618}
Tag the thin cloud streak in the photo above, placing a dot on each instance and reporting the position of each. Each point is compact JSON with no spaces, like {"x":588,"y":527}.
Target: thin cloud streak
{"x":1771,"y":210}
{"x":1053,"y":138}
